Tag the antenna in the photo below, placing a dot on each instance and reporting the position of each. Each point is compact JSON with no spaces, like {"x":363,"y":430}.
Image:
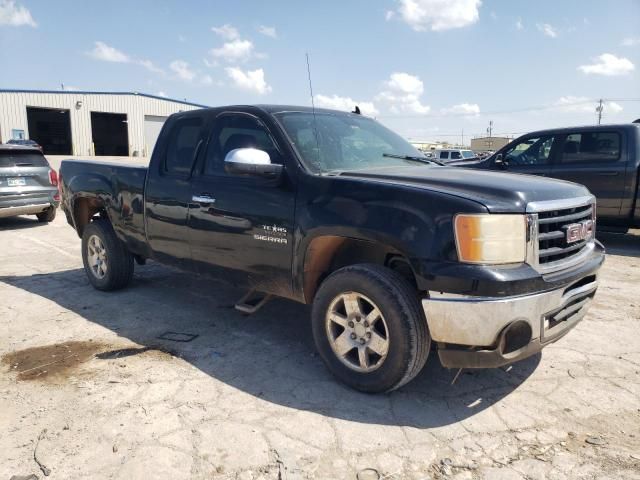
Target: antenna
{"x":313,"y":107}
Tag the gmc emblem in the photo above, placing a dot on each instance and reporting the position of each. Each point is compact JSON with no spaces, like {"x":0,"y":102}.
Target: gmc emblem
{"x":579,"y":231}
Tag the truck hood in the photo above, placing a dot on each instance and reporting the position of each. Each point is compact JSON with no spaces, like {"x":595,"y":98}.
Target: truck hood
{"x":497,"y":191}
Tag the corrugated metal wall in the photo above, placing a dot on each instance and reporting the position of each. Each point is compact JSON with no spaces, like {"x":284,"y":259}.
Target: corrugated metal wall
{"x":13,"y":114}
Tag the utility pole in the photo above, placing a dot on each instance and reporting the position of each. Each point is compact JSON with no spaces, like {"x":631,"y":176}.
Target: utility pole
{"x":599,"y":109}
{"x":462,"y":144}
{"x":490,"y":129}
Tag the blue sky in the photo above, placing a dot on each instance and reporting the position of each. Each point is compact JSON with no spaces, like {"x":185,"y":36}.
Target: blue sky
{"x":427,"y":68}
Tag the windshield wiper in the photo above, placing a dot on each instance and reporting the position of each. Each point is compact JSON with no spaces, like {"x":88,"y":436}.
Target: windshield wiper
{"x":413,"y":158}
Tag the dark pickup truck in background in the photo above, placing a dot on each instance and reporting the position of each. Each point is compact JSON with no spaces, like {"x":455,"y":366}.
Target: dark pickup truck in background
{"x":394,"y":251}
{"x":603,"y":158}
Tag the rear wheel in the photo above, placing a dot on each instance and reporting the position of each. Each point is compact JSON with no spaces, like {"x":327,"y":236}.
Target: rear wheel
{"x":47,"y":216}
{"x":107,"y":262}
{"x":369,"y":328}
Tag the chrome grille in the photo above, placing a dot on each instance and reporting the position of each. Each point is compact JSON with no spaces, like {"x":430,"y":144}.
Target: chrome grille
{"x":548,"y":247}
{"x":552,"y":244}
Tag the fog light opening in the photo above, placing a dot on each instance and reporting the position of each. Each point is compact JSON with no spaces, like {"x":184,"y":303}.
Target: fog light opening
{"x":516,"y":336}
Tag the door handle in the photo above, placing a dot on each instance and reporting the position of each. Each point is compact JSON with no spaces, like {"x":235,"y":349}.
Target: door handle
{"x":203,"y":199}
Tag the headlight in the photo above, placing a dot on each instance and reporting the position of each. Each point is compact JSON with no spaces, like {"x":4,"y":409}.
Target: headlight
{"x":491,"y":239}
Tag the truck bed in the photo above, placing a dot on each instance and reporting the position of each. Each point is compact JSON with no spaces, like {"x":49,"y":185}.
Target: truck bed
{"x":120,"y":187}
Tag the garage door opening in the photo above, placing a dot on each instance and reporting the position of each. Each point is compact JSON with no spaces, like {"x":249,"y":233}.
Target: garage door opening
{"x":152,"y":126}
{"x":110,"y":134}
{"x":51,"y":128}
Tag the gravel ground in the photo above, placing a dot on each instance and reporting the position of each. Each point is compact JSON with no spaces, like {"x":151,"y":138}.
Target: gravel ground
{"x":106,"y":385}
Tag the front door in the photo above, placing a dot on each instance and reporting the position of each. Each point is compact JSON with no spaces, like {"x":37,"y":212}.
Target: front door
{"x":242,"y":223}
{"x":598,"y":161}
{"x":531,"y":156}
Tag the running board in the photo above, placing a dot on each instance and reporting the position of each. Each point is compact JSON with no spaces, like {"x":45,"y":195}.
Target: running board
{"x":252,"y":302}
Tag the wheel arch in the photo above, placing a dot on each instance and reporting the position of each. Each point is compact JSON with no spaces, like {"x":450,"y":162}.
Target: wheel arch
{"x":327,"y":253}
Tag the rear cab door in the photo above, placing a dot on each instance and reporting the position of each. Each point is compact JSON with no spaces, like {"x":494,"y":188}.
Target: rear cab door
{"x":243,"y":224}
{"x":598,"y":160}
{"x":168,"y":188}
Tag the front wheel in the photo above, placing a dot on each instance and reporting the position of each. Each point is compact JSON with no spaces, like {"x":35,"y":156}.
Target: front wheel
{"x":107,"y":262}
{"x":369,"y":328}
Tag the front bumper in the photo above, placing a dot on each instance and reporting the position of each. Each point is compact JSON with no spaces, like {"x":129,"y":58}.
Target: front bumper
{"x":477,"y":332}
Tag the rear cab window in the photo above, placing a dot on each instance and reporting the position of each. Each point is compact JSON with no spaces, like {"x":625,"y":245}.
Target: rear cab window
{"x":590,"y":147}
{"x":183,"y":139}
{"x":18,"y":158}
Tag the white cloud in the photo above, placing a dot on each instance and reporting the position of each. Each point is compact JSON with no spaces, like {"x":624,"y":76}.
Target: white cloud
{"x":162,"y":94}
{"x":402,"y":94}
{"x":102,"y":51}
{"x":609,"y":65}
{"x":575,"y":104}
{"x":268,"y":31}
{"x":226,"y":31}
{"x":70,"y":88}
{"x":405,"y":83}
{"x":149,"y":65}
{"x":439,"y":15}
{"x":547,"y":30}
{"x":252,"y":80}
{"x":15,"y":15}
{"x":631,"y":42}
{"x":470,"y":109}
{"x":182,"y":70}
{"x":234,"y":51}
{"x":345,"y":103}
{"x":519,"y":25}
{"x":206,"y":80}
{"x":210,"y":63}
{"x":613,"y":107}
{"x":389,"y":14}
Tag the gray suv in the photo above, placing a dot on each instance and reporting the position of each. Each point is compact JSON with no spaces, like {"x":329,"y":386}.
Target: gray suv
{"x":28,"y":185}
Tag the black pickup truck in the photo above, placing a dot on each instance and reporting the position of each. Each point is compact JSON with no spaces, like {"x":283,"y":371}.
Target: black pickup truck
{"x":604,"y":158}
{"x":395,"y":252}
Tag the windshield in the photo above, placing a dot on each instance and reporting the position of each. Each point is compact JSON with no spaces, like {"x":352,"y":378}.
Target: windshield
{"x":468,"y":154}
{"x":329,"y":142}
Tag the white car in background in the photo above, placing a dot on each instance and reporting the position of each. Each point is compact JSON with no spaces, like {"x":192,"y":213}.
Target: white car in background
{"x":452,"y":155}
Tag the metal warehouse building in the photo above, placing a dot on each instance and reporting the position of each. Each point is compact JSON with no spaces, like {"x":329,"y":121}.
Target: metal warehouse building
{"x":86,"y":123}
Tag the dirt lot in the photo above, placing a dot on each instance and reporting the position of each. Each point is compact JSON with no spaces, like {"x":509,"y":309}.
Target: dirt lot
{"x":107,"y":385}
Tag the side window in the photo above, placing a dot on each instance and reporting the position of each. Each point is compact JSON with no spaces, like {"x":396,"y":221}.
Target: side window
{"x":181,"y":145}
{"x":531,"y":151}
{"x":456,"y":156}
{"x":237,"y":131}
{"x":444,"y":155}
{"x":591,"y":147}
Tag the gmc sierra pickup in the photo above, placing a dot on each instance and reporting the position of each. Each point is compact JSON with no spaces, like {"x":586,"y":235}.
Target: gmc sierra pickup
{"x":395,"y":252}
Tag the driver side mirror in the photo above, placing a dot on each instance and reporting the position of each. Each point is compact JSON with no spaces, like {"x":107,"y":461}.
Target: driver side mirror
{"x":500,"y":161}
{"x":251,"y":161}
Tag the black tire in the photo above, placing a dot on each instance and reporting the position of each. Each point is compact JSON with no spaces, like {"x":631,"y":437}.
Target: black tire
{"x":47,"y":216}
{"x":118,"y":260}
{"x":409,"y":341}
